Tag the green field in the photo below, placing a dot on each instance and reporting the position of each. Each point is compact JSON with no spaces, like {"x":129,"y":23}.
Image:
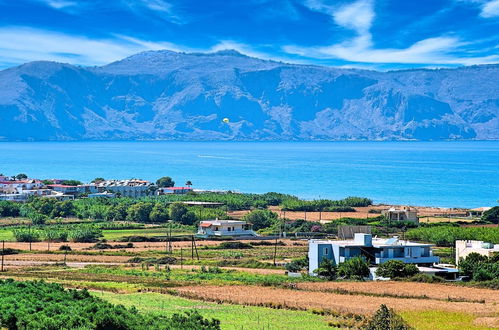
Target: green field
{"x":444,"y":320}
{"x":117,"y":234}
{"x":6,"y":235}
{"x":231,"y":316}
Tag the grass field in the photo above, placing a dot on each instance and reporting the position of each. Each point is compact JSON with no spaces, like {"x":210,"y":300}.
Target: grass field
{"x":439,"y":320}
{"x":6,"y":235}
{"x":231,"y":316}
{"x":118,"y":234}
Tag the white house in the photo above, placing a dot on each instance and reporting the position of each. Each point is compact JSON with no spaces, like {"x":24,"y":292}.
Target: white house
{"x":464,"y":248}
{"x":126,"y":188}
{"x":375,"y":250}
{"x":224,"y":228}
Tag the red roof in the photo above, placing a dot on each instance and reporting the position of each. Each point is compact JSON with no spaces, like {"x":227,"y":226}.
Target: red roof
{"x":60,"y":186}
{"x":179,"y":188}
{"x":205,"y":224}
{"x":14,"y":182}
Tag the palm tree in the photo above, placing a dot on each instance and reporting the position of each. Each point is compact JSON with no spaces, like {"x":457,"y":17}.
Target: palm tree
{"x":188,"y":183}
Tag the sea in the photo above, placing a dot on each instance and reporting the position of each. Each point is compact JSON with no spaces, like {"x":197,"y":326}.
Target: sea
{"x":443,"y":174}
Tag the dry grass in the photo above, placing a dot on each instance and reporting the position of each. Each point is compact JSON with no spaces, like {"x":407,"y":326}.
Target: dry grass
{"x":304,"y":300}
{"x":408,"y":289}
{"x":435,"y":214}
{"x":137,"y":246}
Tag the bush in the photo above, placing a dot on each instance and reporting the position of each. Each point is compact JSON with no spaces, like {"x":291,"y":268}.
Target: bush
{"x":26,"y":235}
{"x":234,"y":245}
{"x":386,"y":319}
{"x":396,"y":269}
{"x":65,"y":248}
{"x":85,"y":234}
{"x":297,"y":265}
{"x":425,"y":278}
{"x":354,"y":268}
{"x":261,"y":219}
{"x":327,"y":269}
{"x":8,"y":251}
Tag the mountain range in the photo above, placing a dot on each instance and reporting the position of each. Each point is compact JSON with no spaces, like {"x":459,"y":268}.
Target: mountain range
{"x":165,"y":95}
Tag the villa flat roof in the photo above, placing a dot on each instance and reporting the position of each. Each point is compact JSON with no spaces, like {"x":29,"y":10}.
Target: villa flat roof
{"x":222,"y":222}
{"x":376,"y":242}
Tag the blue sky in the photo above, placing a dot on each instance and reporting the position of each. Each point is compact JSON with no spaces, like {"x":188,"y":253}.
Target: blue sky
{"x":378,"y":34}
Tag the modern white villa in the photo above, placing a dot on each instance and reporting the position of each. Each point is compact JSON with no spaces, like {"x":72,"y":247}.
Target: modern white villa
{"x":224,"y":228}
{"x":464,"y":248}
{"x":375,"y":250}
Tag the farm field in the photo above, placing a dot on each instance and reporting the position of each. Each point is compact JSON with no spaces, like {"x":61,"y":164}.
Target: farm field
{"x":265,"y":293}
{"x":231,"y":316}
{"x":404,"y":289}
{"x":345,"y":303}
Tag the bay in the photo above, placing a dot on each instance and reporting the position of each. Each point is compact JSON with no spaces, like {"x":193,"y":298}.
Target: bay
{"x":447,"y":174}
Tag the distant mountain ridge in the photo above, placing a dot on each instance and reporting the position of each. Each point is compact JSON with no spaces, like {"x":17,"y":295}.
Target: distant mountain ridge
{"x":177,"y":96}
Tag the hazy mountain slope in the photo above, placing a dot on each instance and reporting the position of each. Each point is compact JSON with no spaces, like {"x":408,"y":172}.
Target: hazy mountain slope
{"x":168,"y":95}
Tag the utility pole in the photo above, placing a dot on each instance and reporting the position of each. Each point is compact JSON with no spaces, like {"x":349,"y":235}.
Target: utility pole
{"x":195,"y":247}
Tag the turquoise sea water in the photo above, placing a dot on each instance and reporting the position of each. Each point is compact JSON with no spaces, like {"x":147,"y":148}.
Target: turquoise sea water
{"x":447,"y":174}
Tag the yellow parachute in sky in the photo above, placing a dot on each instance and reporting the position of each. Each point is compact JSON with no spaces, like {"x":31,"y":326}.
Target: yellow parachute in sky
{"x":226,"y":120}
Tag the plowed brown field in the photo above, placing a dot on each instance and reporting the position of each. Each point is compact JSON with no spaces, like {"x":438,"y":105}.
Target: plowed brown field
{"x":433,"y":291}
{"x":296,"y":299}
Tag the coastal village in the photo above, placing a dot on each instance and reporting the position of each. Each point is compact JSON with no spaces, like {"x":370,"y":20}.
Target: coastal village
{"x":304,"y":248}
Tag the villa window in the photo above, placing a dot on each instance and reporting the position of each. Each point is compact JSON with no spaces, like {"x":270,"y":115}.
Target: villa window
{"x":326,"y":251}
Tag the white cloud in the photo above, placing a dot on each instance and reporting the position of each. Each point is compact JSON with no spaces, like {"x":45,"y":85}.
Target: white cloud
{"x":62,"y":5}
{"x":22,"y":44}
{"x":163,"y":9}
{"x":359,"y":17}
{"x":490,"y":9}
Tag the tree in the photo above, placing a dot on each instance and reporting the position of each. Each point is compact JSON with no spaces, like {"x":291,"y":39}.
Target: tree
{"x":491,"y":215}
{"x":396,"y":268}
{"x":117,"y":212}
{"x":188,"y":183}
{"x":327,"y":269}
{"x":71,"y":182}
{"x":354,"y":268}
{"x":470,"y":265}
{"x":139,"y":212}
{"x":21,"y":176}
{"x":479,"y":267}
{"x":261,"y":218}
{"x":63,"y":209}
{"x":97,"y":180}
{"x":180,"y":213}
{"x":386,"y":319}
{"x":165,"y":182}
{"x":159,"y":213}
